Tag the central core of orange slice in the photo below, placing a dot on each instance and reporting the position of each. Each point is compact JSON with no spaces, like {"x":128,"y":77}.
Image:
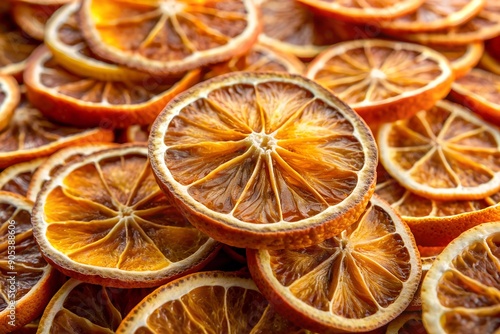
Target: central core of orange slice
{"x":377,"y":74}
{"x":171,"y":7}
{"x":125,"y":212}
{"x":262,"y":141}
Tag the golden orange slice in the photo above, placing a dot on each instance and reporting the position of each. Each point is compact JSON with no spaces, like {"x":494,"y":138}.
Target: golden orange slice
{"x":30,"y":135}
{"x":27,"y":281}
{"x":381,"y":80}
{"x":363,"y":11}
{"x":165,"y":37}
{"x":69,"y":48}
{"x":355,"y":282}
{"x":407,"y":323}
{"x":462,"y":58}
{"x":103,"y":219}
{"x":32,"y":18}
{"x":461,"y":291}
{"x":56,"y":161}
{"x":479,"y":90}
{"x":446,"y":153}
{"x":259,"y":59}
{"x":207,"y":302}
{"x":292,"y":28}
{"x":435,"y":222}
{"x":84,"y":101}
{"x":16,"y":178}
{"x":264,"y":160}
{"x":483,"y":26}
{"x":10,"y":97}
{"x":434,"y":15}
{"x":80,"y":307}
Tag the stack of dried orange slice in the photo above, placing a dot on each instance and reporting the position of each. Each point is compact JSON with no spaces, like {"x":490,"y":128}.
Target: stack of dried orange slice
{"x":186,"y":166}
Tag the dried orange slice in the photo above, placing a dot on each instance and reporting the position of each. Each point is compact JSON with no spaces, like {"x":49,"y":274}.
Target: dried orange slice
{"x":293,"y":29}
{"x":483,"y":26}
{"x":56,"y":161}
{"x":32,"y":18}
{"x":27,"y":281}
{"x":83,"y":101}
{"x":135,"y":134}
{"x":69,"y":48}
{"x":10,"y":97}
{"x":383,"y":80}
{"x":29,"y":135}
{"x":15,"y":47}
{"x":363,"y":11}
{"x":446,"y":153}
{"x":80,"y":307}
{"x":264,"y":159}
{"x":427,"y":261}
{"x":16,"y":178}
{"x":210,"y":302}
{"x":407,"y":323}
{"x":259,"y":59}
{"x":172,"y":36}
{"x":434,"y":222}
{"x":355,"y":282}
{"x":434,"y":15}
{"x":479,"y":90}
{"x":102,"y":215}
{"x":462,"y":58}
{"x":461,"y":291}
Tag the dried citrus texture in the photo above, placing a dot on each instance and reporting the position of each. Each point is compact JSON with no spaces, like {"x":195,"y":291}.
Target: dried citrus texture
{"x":461,"y":291}
{"x":427,"y":261}
{"x":56,"y":161}
{"x":383,"y":80}
{"x":479,"y":90}
{"x":135,"y":134}
{"x":169,"y":36}
{"x":27,"y":281}
{"x":355,"y":282}
{"x":209,"y":302}
{"x":80,"y":307}
{"x":264,"y":160}
{"x":32,"y":17}
{"x":363,"y":11}
{"x":84,"y":101}
{"x":29,"y":135}
{"x":16,"y":178}
{"x":292,"y":28}
{"x":434,"y":15}
{"x":259,"y":59}
{"x":65,"y":41}
{"x":9,"y":99}
{"x":483,"y":26}
{"x":407,"y":323}
{"x":462,"y":58}
{"x":435,"y":222}
{"x":102,"y":215}
{"x":446,"y":153}
{"x":15,"y":47}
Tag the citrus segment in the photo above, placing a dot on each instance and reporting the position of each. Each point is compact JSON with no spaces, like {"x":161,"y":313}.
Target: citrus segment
{"x":167,"y":37}
{"x":462,"y":58}
{"x":10,"y":97}
{"x":446,"y":153}
{"x":354,"y":282}
{"x":80,"y":307}
{"x":211,"y":302}
{"x":361,"y":11}
{"x":292,"y":28}
{"x":64,"y":39}
{"x":83,"y":101}
{"x":29,"y":135}
{"x":461,"y":291}
{"x":56,"y":161}
{"x":118,"y":217}
{"x":383,"y":80}
{"x":479,"y":90}
{"x":264,"y":159}
{"x":32,"y":18}
{"x":16,"y":178}
{"x":435,"y":222}
{"x":27,"y":281}
{"x":435,"y":15}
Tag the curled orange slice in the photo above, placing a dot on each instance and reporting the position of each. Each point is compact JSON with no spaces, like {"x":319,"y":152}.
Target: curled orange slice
{"x":10,"y":97}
